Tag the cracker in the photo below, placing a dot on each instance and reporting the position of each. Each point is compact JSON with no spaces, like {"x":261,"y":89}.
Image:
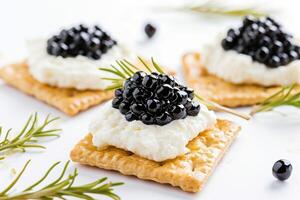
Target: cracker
{"x":220,"y":91}
{"x":70,"y":101}
{"x":189,"y":172}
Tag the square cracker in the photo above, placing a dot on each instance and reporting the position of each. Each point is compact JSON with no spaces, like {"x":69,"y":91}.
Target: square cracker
{"x":220,"y":91}
{"x":189,"y":172}
{"x":70,"y":101}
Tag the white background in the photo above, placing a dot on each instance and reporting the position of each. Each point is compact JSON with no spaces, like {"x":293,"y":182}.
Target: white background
{"x":244,"y":173}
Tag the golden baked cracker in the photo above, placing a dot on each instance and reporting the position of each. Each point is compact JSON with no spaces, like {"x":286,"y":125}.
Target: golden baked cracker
{"x":220,"y":91}
{"x":189,"y":172}
{"x":70,"y":101}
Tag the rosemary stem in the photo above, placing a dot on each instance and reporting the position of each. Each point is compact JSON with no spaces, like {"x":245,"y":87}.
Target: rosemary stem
{"x":288,"y":95}
{"x":28,"y":136}
{"x":60,"y":188}
{"x":230,"y":111}
{"x":15,"y":180}
{"x":218,"y":107}
{"x":8,"y":146}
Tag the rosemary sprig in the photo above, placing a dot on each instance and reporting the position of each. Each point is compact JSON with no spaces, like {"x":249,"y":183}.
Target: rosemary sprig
{"x":126,"y":69}
{"x":215,"y":106}
{"x":285,"y":96}
{"x":212,"y":7}
{"x":60,"y":188}
{"x":29,"y":136}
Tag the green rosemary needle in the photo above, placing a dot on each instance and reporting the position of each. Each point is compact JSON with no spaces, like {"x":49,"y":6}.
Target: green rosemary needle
{"x":60,"y":188}
{"x":29,"y":136}
{"x":285,"y":96}
{"x":125,"y":70}
{"x":215,"y":8}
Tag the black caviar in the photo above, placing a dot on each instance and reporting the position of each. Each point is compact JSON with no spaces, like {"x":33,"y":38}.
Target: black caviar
{"x":150,"y":30}
{"x":264,"y":40}
{"x":155,"y":99}
{"x":282,"y":169}
{"x":91,"y":42}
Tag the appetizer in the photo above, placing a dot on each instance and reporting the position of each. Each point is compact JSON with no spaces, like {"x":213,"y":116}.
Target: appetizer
{"x":155,"y":129}
{"x":245,"y":65}
{"x":63,"y":70}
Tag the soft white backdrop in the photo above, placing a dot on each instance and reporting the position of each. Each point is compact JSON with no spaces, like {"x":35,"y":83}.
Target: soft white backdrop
{"x":244,"y":173}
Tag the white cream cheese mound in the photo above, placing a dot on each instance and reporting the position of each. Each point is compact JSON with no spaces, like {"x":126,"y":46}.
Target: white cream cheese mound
{"x":77,"y":72}
{"x":153,"y":142}
{"x":239,"y":68}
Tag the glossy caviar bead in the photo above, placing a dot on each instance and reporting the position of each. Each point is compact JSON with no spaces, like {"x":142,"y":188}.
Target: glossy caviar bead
{"x":182,"y":97}
{"x":233,"y":33}
{"x":150,"y":30}
{"x":119,"y":92}
{"x":153,"y":105}
{"x":278,"y":46}
{"x":284,"y":58}
{"x":188,"y":104}
{"x":128,"y":83}
{"x":264,"y":40}
{"x":164,"y":91}
{"x":127,"y":93}
{"x":194,"y":109}
{"x":149,"y":81}
{"x":282,"y":169}
{"x":262,"y":54}
{"x":166,"y":79}
{"x":274,"y":62}
{"x":293,"y":55}
{"x":164,"y":119}
{"x":129,"y":116}
{"x":91,"y":42}
{"x":248,"y":20}
{"x":138,"y":76}
{"x":227,"y":43}
{"x":178,"y":112}
{"x":154,"y":99}
{"x":139,"y":94}
{"x":124,"y":107}
{"x":147,"y":119}
{"x":116,"y":102}
{"x":190,"y":92}
{"x":137,"y":108}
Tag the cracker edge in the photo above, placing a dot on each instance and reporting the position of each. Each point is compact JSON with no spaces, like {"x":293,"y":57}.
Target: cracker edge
{"x":48,"y":94}
{"x":129,"y":164}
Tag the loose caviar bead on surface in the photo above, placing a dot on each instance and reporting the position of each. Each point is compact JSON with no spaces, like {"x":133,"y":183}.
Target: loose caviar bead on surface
{"x":150,"y":30}
{"x":282,"y":169}
{"x":91,"y":42}
{"x":264,"y":40}
{"x":155,"y":99}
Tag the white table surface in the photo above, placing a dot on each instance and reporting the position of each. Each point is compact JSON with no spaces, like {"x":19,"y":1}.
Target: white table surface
{"x":244,"y":173}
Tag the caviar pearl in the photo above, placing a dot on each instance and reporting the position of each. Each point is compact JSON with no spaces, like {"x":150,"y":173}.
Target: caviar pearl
{"x":282,"y":169}
{"x":155,"y":99}
{"x":164,"y":118}
{"x":150,"y":30}
{"x":264,"y":40}
{"x":129,"y":116}
{"x":116,"y":102}
{"x":91,"y":42}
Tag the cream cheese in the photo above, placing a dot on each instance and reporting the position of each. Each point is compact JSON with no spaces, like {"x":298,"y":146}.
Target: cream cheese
{"x":153,"y":142}
{"x":239,"y":68}
{"x":77,"y":72}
